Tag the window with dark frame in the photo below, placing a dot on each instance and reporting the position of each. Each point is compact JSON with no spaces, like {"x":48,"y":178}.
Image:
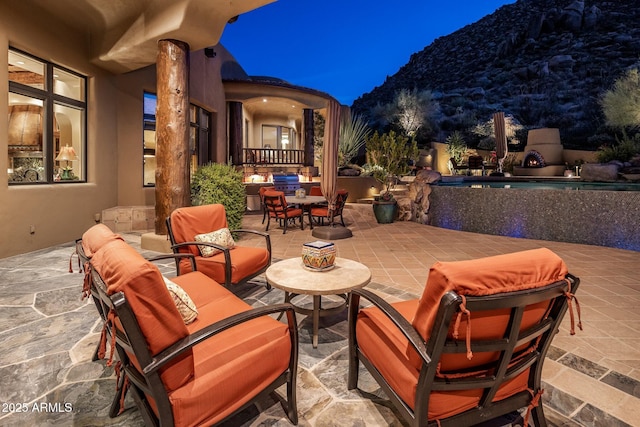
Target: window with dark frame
{"x":200,"y":121}
{"x":46,"y":122}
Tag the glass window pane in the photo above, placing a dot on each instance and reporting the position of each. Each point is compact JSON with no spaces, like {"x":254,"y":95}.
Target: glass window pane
{"x":67,"y":84}
{"x":26,"y":70}
{"x":149,"y":106}
{"x":149,"y":159}
{"x":269,"y":137}
{"x":205,"y":118}
{"x":25,"y":139}
{"x":68,"y":143}
{"x":193,"y":149}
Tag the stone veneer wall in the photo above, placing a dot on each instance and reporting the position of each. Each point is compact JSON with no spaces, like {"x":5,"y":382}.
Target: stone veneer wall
{"x":123,"y":219}
{"x":604,"y":218}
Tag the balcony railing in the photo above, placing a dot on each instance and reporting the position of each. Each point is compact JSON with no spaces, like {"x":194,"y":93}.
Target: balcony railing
{"x":272,"y":156}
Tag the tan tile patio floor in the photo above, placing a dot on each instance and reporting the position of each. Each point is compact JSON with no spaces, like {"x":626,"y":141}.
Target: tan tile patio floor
{"x":593,"y":373}
{"x":591,"y":379}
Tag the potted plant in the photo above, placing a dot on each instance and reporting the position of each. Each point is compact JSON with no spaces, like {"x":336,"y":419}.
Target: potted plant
{"x":389,"y":155}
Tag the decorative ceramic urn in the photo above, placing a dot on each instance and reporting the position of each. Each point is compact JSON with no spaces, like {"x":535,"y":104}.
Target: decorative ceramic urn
{"x":319,"y":255}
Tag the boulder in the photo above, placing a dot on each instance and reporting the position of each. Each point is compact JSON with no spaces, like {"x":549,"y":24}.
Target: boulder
{"x":426,"y":176}
{"x":404,"y":209}
{"x":419,"y":191}
{"x":602,"y":172}
{"x":591,"y":17}
{"x":561,"y":61}
{"x":571,"y":17}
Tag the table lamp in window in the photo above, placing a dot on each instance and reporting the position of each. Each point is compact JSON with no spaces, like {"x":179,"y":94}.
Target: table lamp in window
{"x":67,"y":154}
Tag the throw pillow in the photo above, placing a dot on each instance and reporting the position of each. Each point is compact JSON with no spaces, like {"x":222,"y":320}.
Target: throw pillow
{"x":185,"y":305}
{"x":220,"y":237}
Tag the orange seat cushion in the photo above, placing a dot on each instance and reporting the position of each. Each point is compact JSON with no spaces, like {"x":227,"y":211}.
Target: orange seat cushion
{"x":245,"y":261}
{"x":201,"y":289}
{"x":123,"y":269}
{"x":385,"y":346}
{"x":96,"y":237}
{"x":231,"y":367}
{"x":322,"y":211}
{"x":291,"y":213}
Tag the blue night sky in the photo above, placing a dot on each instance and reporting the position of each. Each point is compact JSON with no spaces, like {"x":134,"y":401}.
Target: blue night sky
{"x":344,"y":47}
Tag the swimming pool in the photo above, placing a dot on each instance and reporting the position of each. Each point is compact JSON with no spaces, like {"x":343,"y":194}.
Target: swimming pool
{"x":589,"y":213}
{"x":555,"y":184}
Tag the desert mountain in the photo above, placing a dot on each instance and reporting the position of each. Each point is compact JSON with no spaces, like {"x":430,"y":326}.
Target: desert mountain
{"x":546,"y":62}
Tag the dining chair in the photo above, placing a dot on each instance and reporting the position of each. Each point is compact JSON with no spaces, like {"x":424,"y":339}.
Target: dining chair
{"x":322,"y":212}
{"x":261,"y":192}
{"x":316,"y":190}
{"x":277,"y":208}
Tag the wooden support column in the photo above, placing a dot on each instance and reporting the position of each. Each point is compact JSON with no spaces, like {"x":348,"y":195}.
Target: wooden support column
{"x":308,"y":137}
{"x":172,"y":130}
{"x":235,"y":132}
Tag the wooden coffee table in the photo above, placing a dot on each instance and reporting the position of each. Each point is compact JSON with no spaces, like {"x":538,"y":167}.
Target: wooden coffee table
{"x":295,"y":279}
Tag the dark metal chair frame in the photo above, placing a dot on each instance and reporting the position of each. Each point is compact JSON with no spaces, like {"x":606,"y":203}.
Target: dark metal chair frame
{"x":341,"y":200}
{"x":95,"y":289}
{"x":261,"y":192}
{"x":148,"y":382}
{"x":502,"y":370}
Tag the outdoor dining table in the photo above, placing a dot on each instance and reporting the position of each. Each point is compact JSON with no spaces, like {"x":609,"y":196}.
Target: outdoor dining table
{"x":306,"y":202}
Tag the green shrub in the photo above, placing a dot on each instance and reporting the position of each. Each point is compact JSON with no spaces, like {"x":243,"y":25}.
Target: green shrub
{"x":624,"y":150}
{"x":219,"y":183}
{"x":354,"y":132}
{"x":389,"y":155}
{"x":457,"y":147}
{"x":621,"y":104}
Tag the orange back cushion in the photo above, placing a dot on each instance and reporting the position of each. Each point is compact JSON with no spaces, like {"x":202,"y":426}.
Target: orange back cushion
{"x":487,"y":276}
{"x":315,"y":191}
{"x":96,"y":237}
{"x":189,"y":221}
{"x":123,"y":269}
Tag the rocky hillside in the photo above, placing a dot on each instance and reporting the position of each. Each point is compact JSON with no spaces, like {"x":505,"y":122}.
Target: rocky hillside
{"x":546,"y":62}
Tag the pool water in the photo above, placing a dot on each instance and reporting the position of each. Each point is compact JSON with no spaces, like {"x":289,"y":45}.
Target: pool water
{"x":545,"y":185}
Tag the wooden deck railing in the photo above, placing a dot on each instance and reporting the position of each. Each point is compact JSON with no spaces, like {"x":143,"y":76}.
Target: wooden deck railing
{"x":272,"y":156}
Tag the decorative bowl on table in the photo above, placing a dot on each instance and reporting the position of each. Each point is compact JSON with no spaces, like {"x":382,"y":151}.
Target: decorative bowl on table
{"x":319,"y":255}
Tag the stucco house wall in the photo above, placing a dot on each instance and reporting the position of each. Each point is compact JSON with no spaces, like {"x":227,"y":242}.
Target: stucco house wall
{"x":61,"y":212}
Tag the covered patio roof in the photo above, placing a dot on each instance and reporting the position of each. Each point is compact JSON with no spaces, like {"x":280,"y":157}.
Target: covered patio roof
{"x":123,"y":34}
{"x":274,"y":95}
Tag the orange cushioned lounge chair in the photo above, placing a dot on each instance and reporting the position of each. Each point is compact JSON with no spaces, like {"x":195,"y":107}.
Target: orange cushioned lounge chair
{"x":196,"y":372}
{"x":229,"y":266}
{"x":471,"y":349}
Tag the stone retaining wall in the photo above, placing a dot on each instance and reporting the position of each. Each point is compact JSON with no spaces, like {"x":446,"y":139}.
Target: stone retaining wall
{"x":604,"y":218}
